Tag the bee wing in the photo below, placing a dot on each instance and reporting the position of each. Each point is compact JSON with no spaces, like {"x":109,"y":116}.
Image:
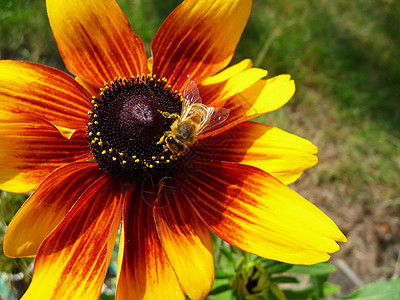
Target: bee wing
{"x":191,"y":93}
{"x":190,"y":96}
{"x":215,"y":116}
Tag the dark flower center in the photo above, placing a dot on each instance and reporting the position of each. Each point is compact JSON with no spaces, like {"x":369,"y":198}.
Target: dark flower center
{"x":127,"y":123}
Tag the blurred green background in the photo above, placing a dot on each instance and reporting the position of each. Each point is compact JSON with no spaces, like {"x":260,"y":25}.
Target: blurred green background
{"x":345,"y":59}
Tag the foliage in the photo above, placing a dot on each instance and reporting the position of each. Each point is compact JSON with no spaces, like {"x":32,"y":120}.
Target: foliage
{"x":382,"y":290}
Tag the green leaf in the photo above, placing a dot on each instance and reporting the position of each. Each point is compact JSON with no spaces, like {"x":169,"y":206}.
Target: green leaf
{"x":228,"y":255}
{"x":106,"y":297}
{"x":318,"y":269}
{"x":284,"y":279}
{"x":381,"y":290}
{"x":279,"y":268}
{"x":330,"y":289}
{"x":220,"y":289}
{"x":223,"y":274}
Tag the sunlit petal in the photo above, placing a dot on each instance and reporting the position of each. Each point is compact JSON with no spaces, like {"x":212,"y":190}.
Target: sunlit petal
{"x":27,"y":88}
{"x":47,"y":206}
{"x":216,"y":94}
{"x":92,"y":88}
{"x":30,"y":148}
{"x":198,"y":39}
{"x":253,"y":211}
{"x":262,"y":97}
{"x":145,"y":272}
{"x":72,"y":262}
{"x":95,"y":39}
{"x":187,"y":242}
{"x":281,"y":154}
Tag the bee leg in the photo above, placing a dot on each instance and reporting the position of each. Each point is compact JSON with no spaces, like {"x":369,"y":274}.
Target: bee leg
{"x":162,"y":138}
{"x":168,"y":115}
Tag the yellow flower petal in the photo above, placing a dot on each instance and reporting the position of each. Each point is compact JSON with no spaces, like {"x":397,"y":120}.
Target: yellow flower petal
{"x":92,"y":88}
{"x":32,"y":89}
{"x":268,"y":94}
{"x":46,"y":207}
{"x":255,"y":212}
{"x":73,"y":260}
{"x":228,"y":73}
{"x":283,"y":155}
{"x":187,"y":242}
{"x":145,"y":272}
{"x":261,"y":97}
{"x":30,"y":148}
{"x":198,"y":39}
{"x":95,"y":39}
{"x":217,"y":94}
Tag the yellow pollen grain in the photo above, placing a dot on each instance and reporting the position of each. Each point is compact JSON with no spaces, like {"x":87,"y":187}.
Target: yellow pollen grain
{"x":90,"y":133}
{"x":167,"y":160}
{"x":157,"y":161}
{"x":100,"y":143}
{"x":136,"y":160}
{"x":110,"y":150}
{"x":134,"y":156}
{"x":153,"y":157}
{"x":121,"y":153}
{"x":124,"y":162}
{"x":96,"y":123}
{"x":103,"y":152}
{"x":98,"y":133}
{"x":162,"y":157}
{"x":114,"y":158}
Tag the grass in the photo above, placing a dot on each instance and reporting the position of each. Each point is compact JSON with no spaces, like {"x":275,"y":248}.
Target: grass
{"x":343,"y":56}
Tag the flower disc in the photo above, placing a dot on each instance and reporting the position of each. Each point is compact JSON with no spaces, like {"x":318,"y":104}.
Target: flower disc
{"x":127,"y":123}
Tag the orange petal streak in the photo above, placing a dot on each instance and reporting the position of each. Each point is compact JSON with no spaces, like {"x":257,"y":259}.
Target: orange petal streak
{"x":92,"y":88}
{"x":198,"y":39}
{"x":30,"y":148}
{"x":281,"y":154}
{"x":255,"y":212}
{"x":27,"y":88}
{"x":145,"y":272}
{"x":72,"y":262}
{"x":187,"y":242}
{"x":47,"y":206}
{"x":95,"y":39}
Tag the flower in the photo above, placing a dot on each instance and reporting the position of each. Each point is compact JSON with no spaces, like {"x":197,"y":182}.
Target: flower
{"x":233,"y":181}
{"x":251,"y":281}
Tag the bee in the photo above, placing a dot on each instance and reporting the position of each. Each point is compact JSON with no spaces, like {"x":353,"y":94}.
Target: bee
{"x":195,"y":118}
